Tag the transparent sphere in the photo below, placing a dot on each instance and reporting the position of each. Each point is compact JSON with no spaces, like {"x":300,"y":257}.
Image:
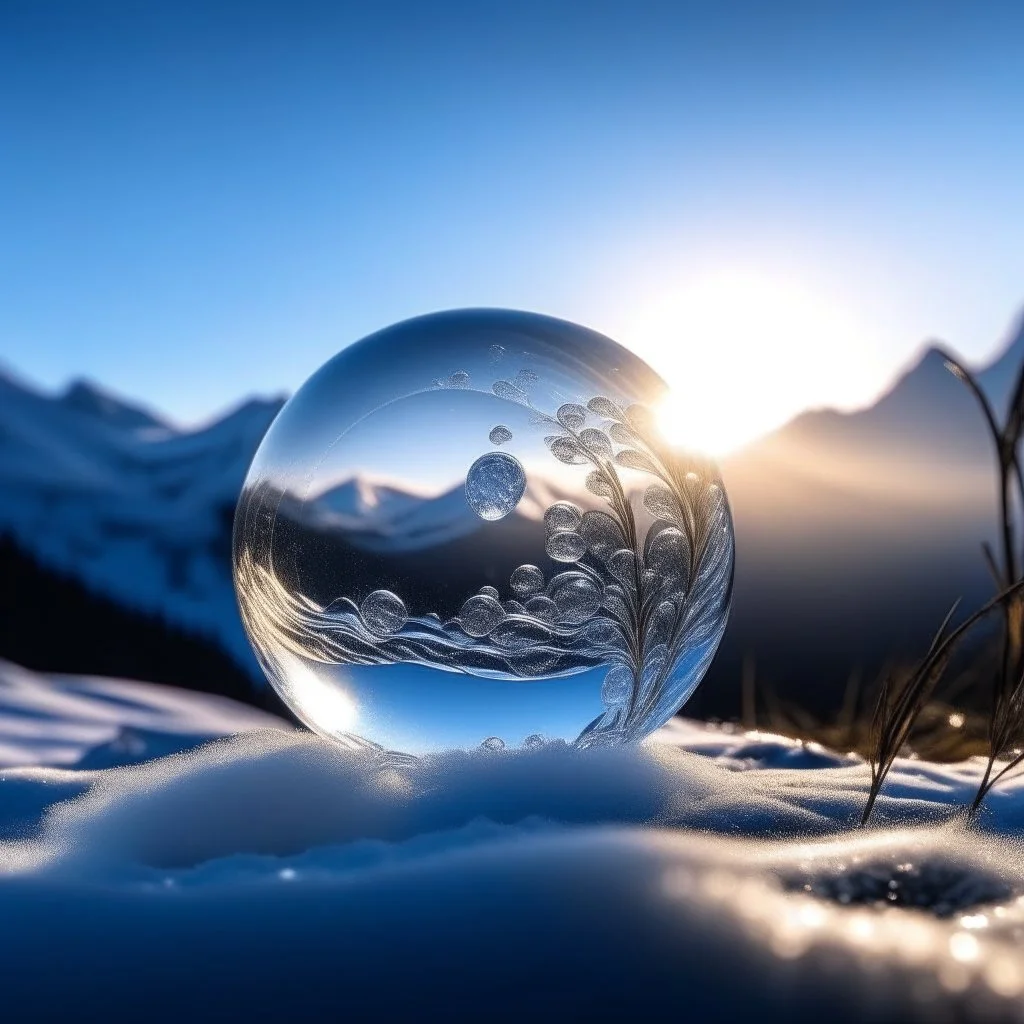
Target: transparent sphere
{"x":467,"y":530}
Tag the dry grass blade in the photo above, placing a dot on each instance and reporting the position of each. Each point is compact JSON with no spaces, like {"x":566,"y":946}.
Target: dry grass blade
{"x":899,"y":706}
{"x":1006,"y":722}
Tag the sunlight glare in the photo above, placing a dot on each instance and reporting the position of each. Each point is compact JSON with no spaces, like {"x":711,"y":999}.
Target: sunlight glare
{"x":744,"y":353}
{"x":333,"y":707}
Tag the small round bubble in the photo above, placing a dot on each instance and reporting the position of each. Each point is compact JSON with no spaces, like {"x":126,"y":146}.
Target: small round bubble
{"x":494,"y":485}
{"x":384,"y":612}
{"x":480,"y":614}
{"x":566,"y":546}
{"x":576,"y":596}
{"x":542,"y":608}
{"x":562,"y":517}
{"x":527,"y":579}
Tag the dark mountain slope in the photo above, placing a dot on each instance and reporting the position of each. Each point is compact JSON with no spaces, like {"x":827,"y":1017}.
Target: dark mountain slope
{"x":51,"y":621}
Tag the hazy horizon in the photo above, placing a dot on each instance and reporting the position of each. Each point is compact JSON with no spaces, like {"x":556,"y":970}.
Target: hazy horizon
{"x":61,"y":387}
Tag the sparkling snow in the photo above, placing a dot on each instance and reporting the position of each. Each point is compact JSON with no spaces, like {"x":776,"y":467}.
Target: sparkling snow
{"x":268,"y":875}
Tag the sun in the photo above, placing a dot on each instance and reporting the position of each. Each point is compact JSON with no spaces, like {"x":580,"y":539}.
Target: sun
{"x":745,"y":352}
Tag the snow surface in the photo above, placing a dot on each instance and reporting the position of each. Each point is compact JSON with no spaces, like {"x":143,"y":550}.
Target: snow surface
{"x":90,"y":722}
{"x":271,"y":875}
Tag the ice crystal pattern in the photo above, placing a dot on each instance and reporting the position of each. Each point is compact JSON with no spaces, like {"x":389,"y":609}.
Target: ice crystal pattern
{"x":465,"y":530}
{"x":643,"y":591}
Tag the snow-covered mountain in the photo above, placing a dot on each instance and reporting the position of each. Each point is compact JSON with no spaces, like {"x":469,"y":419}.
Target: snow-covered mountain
{"x":358,"y":499}
{"x":382,"y":518}
{"x":927,"y":417}
{"x":138,"y":510}
{"x":855,"y":530}
{"x":86,"y":397}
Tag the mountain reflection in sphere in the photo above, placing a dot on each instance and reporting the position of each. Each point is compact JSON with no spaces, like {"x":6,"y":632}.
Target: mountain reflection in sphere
{"x":466,"y":530}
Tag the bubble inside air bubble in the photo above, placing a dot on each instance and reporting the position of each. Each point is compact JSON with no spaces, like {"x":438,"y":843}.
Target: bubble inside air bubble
{"x":494,"y":485}
{"x":384,"y":612}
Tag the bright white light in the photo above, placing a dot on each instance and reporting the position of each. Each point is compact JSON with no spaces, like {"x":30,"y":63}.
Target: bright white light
{"x":318,"y":700}
{"x":964,"y":948}
{"x":744,"y":353}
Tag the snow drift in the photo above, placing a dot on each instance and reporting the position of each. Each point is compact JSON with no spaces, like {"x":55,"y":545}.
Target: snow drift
{"x":272,"y":876}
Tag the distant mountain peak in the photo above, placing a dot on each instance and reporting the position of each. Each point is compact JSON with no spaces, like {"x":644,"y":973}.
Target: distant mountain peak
{"x":933,"y":355}
{"x":259,"y":405}
{"x":926,"y":418}
{"x":85,"y":397}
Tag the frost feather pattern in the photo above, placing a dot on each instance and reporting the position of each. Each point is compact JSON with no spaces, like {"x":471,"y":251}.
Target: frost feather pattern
{"x":644,"y":591}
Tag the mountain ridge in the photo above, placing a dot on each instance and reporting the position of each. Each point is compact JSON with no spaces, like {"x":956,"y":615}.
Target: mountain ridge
{"x":838,"y":515}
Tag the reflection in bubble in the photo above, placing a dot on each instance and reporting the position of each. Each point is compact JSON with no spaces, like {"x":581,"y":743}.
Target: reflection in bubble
{"x":572,"y":586}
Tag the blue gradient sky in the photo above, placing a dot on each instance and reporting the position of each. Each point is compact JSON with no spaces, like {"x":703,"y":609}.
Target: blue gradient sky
{"x":203,"y":200}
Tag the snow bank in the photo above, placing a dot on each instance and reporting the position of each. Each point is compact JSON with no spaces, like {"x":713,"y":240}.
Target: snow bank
{"x":88,"y":722}
{"x":714,"y":876}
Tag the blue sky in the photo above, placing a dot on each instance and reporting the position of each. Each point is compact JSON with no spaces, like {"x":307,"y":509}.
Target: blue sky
{"x":204,"y":200}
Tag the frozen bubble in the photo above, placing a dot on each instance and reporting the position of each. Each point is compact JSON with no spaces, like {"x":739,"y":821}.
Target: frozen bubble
{"x":493,"y":744}
{"x":412,"y":557}
{"x":494,"y":485}
{"x":527,"y":579}
{"x":542,"y":608}
{"x":383,"y":612}
{"x":566,"y":547}
{"x":480,"y":614}
{"x":562,"y":516}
